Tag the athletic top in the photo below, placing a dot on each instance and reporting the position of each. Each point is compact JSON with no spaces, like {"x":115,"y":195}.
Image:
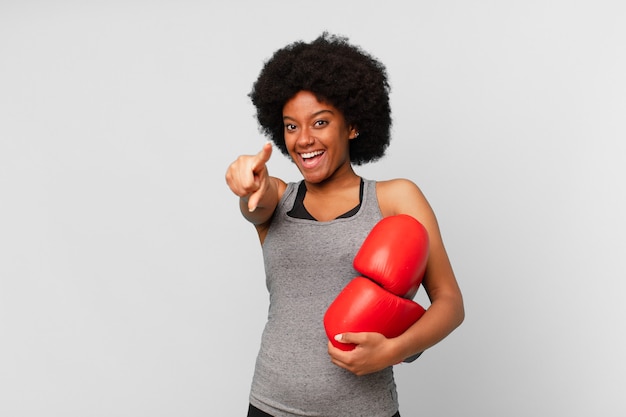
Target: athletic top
{"x":307,"y":264}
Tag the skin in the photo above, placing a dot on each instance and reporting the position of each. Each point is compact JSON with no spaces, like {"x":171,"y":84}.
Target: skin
{"x":317,"y":128}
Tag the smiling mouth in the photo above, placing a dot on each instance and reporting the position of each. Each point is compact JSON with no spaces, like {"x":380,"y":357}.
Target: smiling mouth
{"x":311,"y":159}
{"x":309,"y":155}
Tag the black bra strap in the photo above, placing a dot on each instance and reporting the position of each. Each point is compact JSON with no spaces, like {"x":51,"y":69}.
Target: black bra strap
{"x":298,"y":211}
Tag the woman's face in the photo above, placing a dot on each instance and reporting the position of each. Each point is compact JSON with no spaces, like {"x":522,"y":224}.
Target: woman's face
{"x":317,"y":137}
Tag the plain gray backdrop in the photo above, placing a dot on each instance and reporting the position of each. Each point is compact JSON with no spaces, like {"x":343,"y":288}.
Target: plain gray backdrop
{"x":130,"y":285}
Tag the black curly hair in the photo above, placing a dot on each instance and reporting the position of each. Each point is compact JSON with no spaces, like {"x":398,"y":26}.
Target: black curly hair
{"x":337,"y":73}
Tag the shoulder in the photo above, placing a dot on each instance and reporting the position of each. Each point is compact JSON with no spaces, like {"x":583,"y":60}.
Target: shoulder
{"x":401,"y":196}
{"x":281,"y":186}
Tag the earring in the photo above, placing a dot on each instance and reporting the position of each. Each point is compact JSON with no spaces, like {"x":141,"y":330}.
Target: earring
{"x":356,"y":135}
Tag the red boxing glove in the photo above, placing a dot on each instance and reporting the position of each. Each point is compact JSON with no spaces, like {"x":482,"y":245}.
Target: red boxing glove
{"x":363,"y":306}
{"x":393,"y":257}
{"x":395,"y":254}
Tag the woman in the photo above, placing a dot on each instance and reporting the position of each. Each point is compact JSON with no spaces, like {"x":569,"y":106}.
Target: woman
{"x":325,"y":104}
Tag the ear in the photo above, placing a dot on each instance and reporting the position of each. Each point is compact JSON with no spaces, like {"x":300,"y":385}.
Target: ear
{"x":354,"y":133}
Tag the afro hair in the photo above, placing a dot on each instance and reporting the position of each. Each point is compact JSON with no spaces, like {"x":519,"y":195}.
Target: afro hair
{"x":337,"y":73}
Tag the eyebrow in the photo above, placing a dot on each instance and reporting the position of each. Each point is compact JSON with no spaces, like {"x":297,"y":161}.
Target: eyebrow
{"x":317,"y":113}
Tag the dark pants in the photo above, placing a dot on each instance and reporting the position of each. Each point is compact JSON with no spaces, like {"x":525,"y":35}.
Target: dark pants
{"x":255,"y":412}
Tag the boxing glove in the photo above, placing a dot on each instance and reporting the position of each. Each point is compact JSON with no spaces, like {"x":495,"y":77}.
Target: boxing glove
{"x":364,"y":306}
{"x":393,"y":257}
{"x":394,"y":254}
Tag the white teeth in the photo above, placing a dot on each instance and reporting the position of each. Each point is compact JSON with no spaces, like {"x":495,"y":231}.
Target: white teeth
{"x":311,"y":154}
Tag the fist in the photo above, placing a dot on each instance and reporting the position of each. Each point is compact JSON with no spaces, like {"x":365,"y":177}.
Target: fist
{"x":248,"y":177}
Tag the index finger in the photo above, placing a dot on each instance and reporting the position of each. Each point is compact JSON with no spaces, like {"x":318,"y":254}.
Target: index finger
{"x":266,"y":152}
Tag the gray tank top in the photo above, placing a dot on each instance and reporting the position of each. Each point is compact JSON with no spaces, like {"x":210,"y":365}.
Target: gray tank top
{"x":307,"y":263}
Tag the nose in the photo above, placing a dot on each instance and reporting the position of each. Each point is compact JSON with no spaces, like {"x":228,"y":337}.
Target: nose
{"x":306,"y":138}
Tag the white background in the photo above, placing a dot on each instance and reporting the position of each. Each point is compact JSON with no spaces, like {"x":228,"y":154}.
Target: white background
{"x":130,"y":285}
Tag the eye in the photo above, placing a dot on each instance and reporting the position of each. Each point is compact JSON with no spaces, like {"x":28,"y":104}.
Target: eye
{"x":290,"y":127}
{"x":320,"y":123}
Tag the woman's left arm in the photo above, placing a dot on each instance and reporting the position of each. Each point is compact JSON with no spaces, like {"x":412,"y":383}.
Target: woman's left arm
{"x":446,"y":311}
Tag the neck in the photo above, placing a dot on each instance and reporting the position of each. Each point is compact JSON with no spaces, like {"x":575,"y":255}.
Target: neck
{"x":338,"y":181}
